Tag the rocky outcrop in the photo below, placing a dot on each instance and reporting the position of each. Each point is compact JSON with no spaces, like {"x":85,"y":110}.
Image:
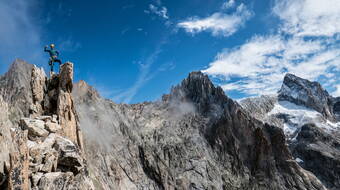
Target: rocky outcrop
{"x":65,"y":109}
{"x":38,"y":85}
{"x":194,"y":138}
{"x":6,"y":144}
{"x":319,"y":153}
{"x":19,"y":162}
{"x":46,"y":140}
{"x":310,"y":94}
{"x":15,"y":89}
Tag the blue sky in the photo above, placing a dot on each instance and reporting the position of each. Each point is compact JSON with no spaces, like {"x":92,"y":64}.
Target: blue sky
{"x":134,"y":51}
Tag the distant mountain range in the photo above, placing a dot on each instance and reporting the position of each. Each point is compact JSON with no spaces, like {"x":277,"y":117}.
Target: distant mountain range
{"x":58,"y":135}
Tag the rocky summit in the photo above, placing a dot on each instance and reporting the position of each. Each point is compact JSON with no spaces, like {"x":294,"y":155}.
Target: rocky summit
{"x":309,"y":117}
{"x":55,"y":134}
{"x":41,"y":145}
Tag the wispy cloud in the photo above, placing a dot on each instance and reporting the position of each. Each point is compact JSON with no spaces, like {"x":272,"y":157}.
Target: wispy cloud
{"x":69,"y":45}
{"x":228,"y":4}
{"x":158,"y":10}
{"x":258,"y":66}
{"x":144,"y":76}
{"x":218,"y":23}
{"x":20,"y":35}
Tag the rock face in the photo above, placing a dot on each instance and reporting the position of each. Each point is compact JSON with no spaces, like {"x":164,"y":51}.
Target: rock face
{"x":310,"y":94}
{"x":15,"y":89}
{"x":40,"y":134}
{"x":19,"y":162}
{"x":336,"y":107}
{"x":194,"y":138}
{"x":310,"y":119}
{"x":6,"y":144}
{"x":319,"y":153}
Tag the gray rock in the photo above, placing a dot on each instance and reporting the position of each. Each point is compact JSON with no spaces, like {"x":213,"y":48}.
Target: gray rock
{"x":15,"y":88}
{"x":319,"y":153}
{"x":44,"y":118}
{"x":36,"y":178}
{"x":38,"y":151}
{"x":336,"y":107}
{"x":52,"y":127}
{"x":55,"y":180}
{"x":310,"y":94}
{"x":6,"y":142}
{"x":194,"y":138}
{"x":69,"y":156}
{"x":25,"y":92}
{"x":38,"y":85}
{"x":50,"y":162}
{"x":36,"y":128}
{"x":315,"y":144}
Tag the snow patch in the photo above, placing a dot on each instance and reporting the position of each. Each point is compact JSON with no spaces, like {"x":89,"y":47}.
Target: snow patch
{"x":296,"y":116}
{"x":298,"y":160}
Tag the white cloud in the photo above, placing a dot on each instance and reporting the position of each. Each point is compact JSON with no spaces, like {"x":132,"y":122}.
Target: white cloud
{"x":228,"y":4}
{"x":312,"y":52}
{"x":336,"y":93}
{"x":218,"y":23}
{"x":261,"y":63}
{"x":160,"y":11}
{"x":19,"y":32}
{"x":309,"y":17}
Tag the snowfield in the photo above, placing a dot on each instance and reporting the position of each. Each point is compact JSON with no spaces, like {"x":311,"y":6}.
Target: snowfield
{"x":295,"y":116}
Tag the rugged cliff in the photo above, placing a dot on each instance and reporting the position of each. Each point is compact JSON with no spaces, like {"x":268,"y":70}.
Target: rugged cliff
{"x":310,"y":119}
{"x":194,"y":138}
{"x":40,"y":134}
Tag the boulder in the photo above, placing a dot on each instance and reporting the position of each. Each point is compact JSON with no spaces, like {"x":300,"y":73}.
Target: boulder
{"x":50,"y":162}
{"x":44,"y":118}
{"x":52,"y":127}
{"x":36,"y":178}
{"x":36,"y":128}
{"x":69,"y":157}
{"x":35,"y":167}
{"x":54,"y":118}
{"x":55,"y":180}
{"x":38,"y":151}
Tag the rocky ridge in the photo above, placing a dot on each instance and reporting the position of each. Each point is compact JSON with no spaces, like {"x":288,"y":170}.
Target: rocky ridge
{"x":194,"y":138}
{"x":46,"y":142}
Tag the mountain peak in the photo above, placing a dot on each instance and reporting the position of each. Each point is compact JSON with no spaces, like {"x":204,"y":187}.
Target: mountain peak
{"x":304,"y":92}
{"x":198,"y":89}
{"x":85,"y":91}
